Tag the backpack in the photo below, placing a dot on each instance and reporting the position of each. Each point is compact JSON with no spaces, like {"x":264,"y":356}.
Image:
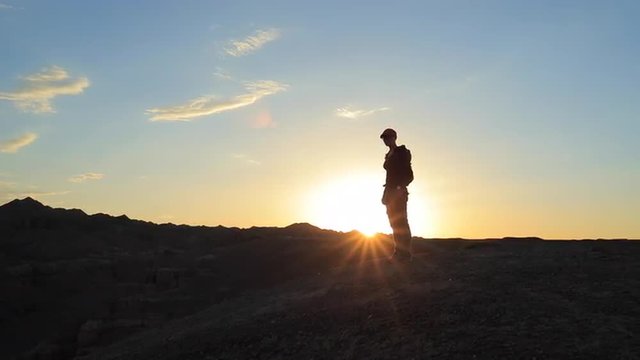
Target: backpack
{"x":407,"y":171}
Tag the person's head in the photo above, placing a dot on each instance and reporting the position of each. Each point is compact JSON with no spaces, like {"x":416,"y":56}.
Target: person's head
{"x":389,"y":137}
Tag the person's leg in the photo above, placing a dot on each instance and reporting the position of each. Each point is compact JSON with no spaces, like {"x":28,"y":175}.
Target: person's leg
{"x":404,"y":231}
{"x":397,"y":213}
{"x":391,"y":214}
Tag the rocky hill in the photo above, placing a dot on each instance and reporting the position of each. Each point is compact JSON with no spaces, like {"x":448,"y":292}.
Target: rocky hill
{"x":78,"y":286}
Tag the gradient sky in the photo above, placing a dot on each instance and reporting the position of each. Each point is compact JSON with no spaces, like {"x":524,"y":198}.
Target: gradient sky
{"x":523,"y":117}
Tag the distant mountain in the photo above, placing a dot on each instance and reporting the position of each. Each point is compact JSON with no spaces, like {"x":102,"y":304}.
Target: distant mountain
{"x":29,"y":213}
{"x":26,"y":204}
{"x":23,"y":208}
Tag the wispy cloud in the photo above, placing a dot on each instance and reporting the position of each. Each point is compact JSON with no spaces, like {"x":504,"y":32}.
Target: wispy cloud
{"x":36,"y":194}
{"x":39,"y":89}
{"x":247,"y":160}
{"x":13,"y":145}
{"x":209,"y":105}
{"x":5,"y":6}
{"x":86,"y":176}
{"x":251,"y":43}
{"x":165,"y":217}
{"x":33,"y":194}
{"x":10,"y":190}
{"x":351,"y":113}
{"x":221,"y":74}
{"x":5,"y":185}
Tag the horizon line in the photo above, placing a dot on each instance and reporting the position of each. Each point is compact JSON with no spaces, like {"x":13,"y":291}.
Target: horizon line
{"x":529,"y":238}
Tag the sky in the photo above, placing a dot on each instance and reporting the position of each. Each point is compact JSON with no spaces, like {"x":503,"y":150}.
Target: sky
{"x":522,"y":117}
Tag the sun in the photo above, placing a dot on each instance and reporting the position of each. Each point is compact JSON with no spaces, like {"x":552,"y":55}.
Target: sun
{"x":353,"y":203}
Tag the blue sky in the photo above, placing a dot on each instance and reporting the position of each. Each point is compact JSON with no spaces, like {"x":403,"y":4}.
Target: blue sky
{"x":522,"y":117}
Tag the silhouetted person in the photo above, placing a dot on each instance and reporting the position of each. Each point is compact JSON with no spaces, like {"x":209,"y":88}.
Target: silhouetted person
{"x":397,"y":163}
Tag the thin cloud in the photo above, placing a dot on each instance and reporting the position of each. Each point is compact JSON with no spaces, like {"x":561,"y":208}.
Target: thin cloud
{"x":221,"y":74}
{"x":39,"y":89}
{"x":32,"y":194}
{"x":11,"y":190}
{"x":351,"y":113}
{"x":5,"y":6}
{"x":251,"y":43}
{"x":85,"y":177}
{"x":209,"y":105}
{"x":15,"y":144}
{"x":40,"y":193}
{"x":5,"y":185}
{"x":244,"y":158}
{"x":213,"y":27}
{"x":165,"y":217}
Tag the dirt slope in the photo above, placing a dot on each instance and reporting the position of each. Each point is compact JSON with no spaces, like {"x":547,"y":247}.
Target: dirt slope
{"x":457,"y":300}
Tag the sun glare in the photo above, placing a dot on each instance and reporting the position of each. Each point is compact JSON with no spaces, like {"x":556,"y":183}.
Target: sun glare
{"x":353,"y":203}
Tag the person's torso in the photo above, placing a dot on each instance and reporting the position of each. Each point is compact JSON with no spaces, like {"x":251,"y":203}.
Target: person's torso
{"x":396,"y":163}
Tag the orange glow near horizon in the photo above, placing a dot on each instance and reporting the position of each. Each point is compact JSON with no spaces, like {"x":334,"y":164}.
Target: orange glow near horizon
{"x":353,"y":203}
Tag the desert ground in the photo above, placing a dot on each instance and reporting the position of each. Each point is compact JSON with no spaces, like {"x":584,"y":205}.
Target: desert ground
{"x":78,"y":286}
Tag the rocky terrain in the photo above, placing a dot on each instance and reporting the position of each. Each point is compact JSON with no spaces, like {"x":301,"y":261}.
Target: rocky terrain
{"x":78,"y":286}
